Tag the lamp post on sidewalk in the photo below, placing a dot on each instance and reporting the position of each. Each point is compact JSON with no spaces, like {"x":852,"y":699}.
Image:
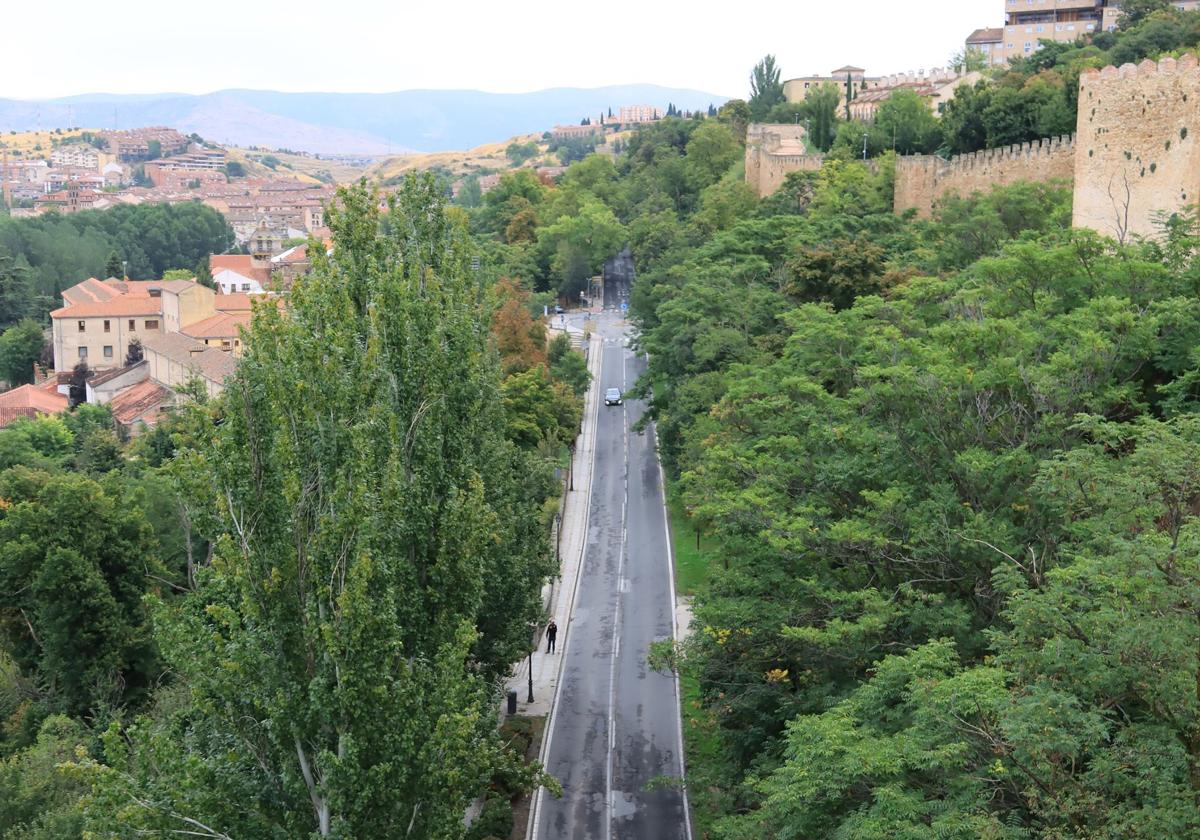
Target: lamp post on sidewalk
{"x":531,"y":647}
{"x":571,"y":467}
{"x":557,"y":539}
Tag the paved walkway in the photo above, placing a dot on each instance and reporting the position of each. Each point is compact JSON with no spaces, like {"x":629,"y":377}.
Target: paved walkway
{"x":546,"y":666}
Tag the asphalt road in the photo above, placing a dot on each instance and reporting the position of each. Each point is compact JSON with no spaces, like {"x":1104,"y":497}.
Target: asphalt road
{"x":616,"y":722}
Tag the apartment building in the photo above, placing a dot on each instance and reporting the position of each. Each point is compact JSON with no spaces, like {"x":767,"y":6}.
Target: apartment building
{"x":639,"y":114}
{"x":937,"y":87}
{"x":1027,"y":22}
{"x":76,"y":154}
{"x":134,"y":144}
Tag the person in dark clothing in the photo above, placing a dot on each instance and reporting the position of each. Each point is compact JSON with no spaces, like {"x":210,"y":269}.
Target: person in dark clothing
{"x":551,"y":635}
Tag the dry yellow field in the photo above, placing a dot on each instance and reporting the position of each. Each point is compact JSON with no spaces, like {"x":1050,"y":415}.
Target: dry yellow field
{"x":27,"y":143}
{"x":487,"y":156}
{"x":300,"y":167}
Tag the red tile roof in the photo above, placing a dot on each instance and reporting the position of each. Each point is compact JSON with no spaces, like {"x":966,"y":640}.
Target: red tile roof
{"x":140,"y":402}
{"x":118,"y":307}
{"x":30,"y":401}
{"x":240,"y":263}
{"x":234,"y":302}
{"x":224,"y":325}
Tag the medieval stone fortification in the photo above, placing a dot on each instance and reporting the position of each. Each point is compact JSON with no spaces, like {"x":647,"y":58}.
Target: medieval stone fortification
{"x":772,"y":151}
{"x":923,"y":180}
{"x":1135,"y":154}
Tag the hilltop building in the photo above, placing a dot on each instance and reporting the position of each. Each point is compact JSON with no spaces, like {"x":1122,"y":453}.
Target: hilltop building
{"x":135,"y":144}
{"x":936,"y":87}
{"x":639,"y":114}
{"x":1027,"y":22}
{"x":797,"y":90}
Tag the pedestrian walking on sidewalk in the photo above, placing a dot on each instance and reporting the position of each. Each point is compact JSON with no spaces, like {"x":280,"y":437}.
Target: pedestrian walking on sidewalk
{"x":551,"y":635}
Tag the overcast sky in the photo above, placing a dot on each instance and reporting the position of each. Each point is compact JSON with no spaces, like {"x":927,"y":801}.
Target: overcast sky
{"x":139,"y":46}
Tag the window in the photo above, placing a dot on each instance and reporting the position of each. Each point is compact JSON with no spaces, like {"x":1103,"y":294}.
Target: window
{"x":108,"y":326}
{"x":152,"y":325}
{"x":83,"y":352}
{"x":132,"y":325}
{"x":108,"y":351}
{"x":245,"y":287}
{"x":82,"y":325}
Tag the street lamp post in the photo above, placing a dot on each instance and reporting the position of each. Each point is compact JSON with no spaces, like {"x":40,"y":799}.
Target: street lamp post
{"x":571,"y":468}
{"x":531,"y":647}
{"x":864,"y":147}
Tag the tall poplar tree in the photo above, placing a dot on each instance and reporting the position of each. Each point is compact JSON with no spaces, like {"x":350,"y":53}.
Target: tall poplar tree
{"x":380,"y":558}
{"x":766,"y":89}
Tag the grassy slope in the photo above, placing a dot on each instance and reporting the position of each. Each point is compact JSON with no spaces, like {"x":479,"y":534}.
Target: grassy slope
{"x":700,"y":738}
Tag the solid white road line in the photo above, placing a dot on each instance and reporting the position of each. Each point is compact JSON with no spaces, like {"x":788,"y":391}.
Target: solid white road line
{"x":687,"y":809}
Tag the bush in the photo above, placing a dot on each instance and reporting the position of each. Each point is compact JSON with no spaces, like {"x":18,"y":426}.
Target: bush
{"x":496,"y":821}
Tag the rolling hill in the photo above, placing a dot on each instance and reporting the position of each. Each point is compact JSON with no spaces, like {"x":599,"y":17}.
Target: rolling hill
{"x":345,"y":123}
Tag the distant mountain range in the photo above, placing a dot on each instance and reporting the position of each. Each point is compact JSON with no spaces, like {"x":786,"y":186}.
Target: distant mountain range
{"x":345,"y":123}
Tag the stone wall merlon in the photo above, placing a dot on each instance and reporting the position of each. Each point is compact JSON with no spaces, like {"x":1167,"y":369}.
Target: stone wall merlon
{"x":1163,"y":67}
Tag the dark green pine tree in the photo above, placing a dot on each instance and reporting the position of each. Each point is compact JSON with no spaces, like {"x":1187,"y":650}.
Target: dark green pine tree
{"x":113,"y":266}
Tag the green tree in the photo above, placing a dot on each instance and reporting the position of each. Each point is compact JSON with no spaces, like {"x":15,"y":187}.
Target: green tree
{"x":1134,"y":12}
{"x":113,"y":267}
{"x":766,"y":90}
{"x":75,"y":563}
{"x":379,"y":560}
{"x":203,"y":274}
{"x":469,"y":194}
{"x":905,"y":119}
{"x":16,"y":290}
{"x":20,"y":347}
{"x":821,"y":107}
{"x":736,"y":114}
{"x":577,"y":245}
{"x":540,"y":410}
{"x":518,"y":153}
{"x":567,"y":365}
{"x":37,"y":800}
{"x":710,"y":152}
{"x":235,"y":169}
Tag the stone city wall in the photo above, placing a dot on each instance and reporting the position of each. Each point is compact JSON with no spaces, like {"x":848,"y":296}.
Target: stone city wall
{"x":923,"y":180}
{"x":1137,"y":155}
{"x":1134,"y":158}
{"x":772,"y":151}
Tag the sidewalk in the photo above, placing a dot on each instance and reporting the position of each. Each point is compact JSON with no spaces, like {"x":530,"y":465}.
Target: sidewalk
{"x":546,"y":666}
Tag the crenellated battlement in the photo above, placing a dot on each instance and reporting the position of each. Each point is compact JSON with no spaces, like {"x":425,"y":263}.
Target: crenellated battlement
{"x":1148,"y":68}
{"x":772,"y":151}
{"x":1134,"y":156}
{"x":923,"y":180}
{"x":1137,"y":155}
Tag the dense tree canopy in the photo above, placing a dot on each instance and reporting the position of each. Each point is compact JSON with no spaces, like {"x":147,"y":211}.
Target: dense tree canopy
{"x":58,"y":251}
